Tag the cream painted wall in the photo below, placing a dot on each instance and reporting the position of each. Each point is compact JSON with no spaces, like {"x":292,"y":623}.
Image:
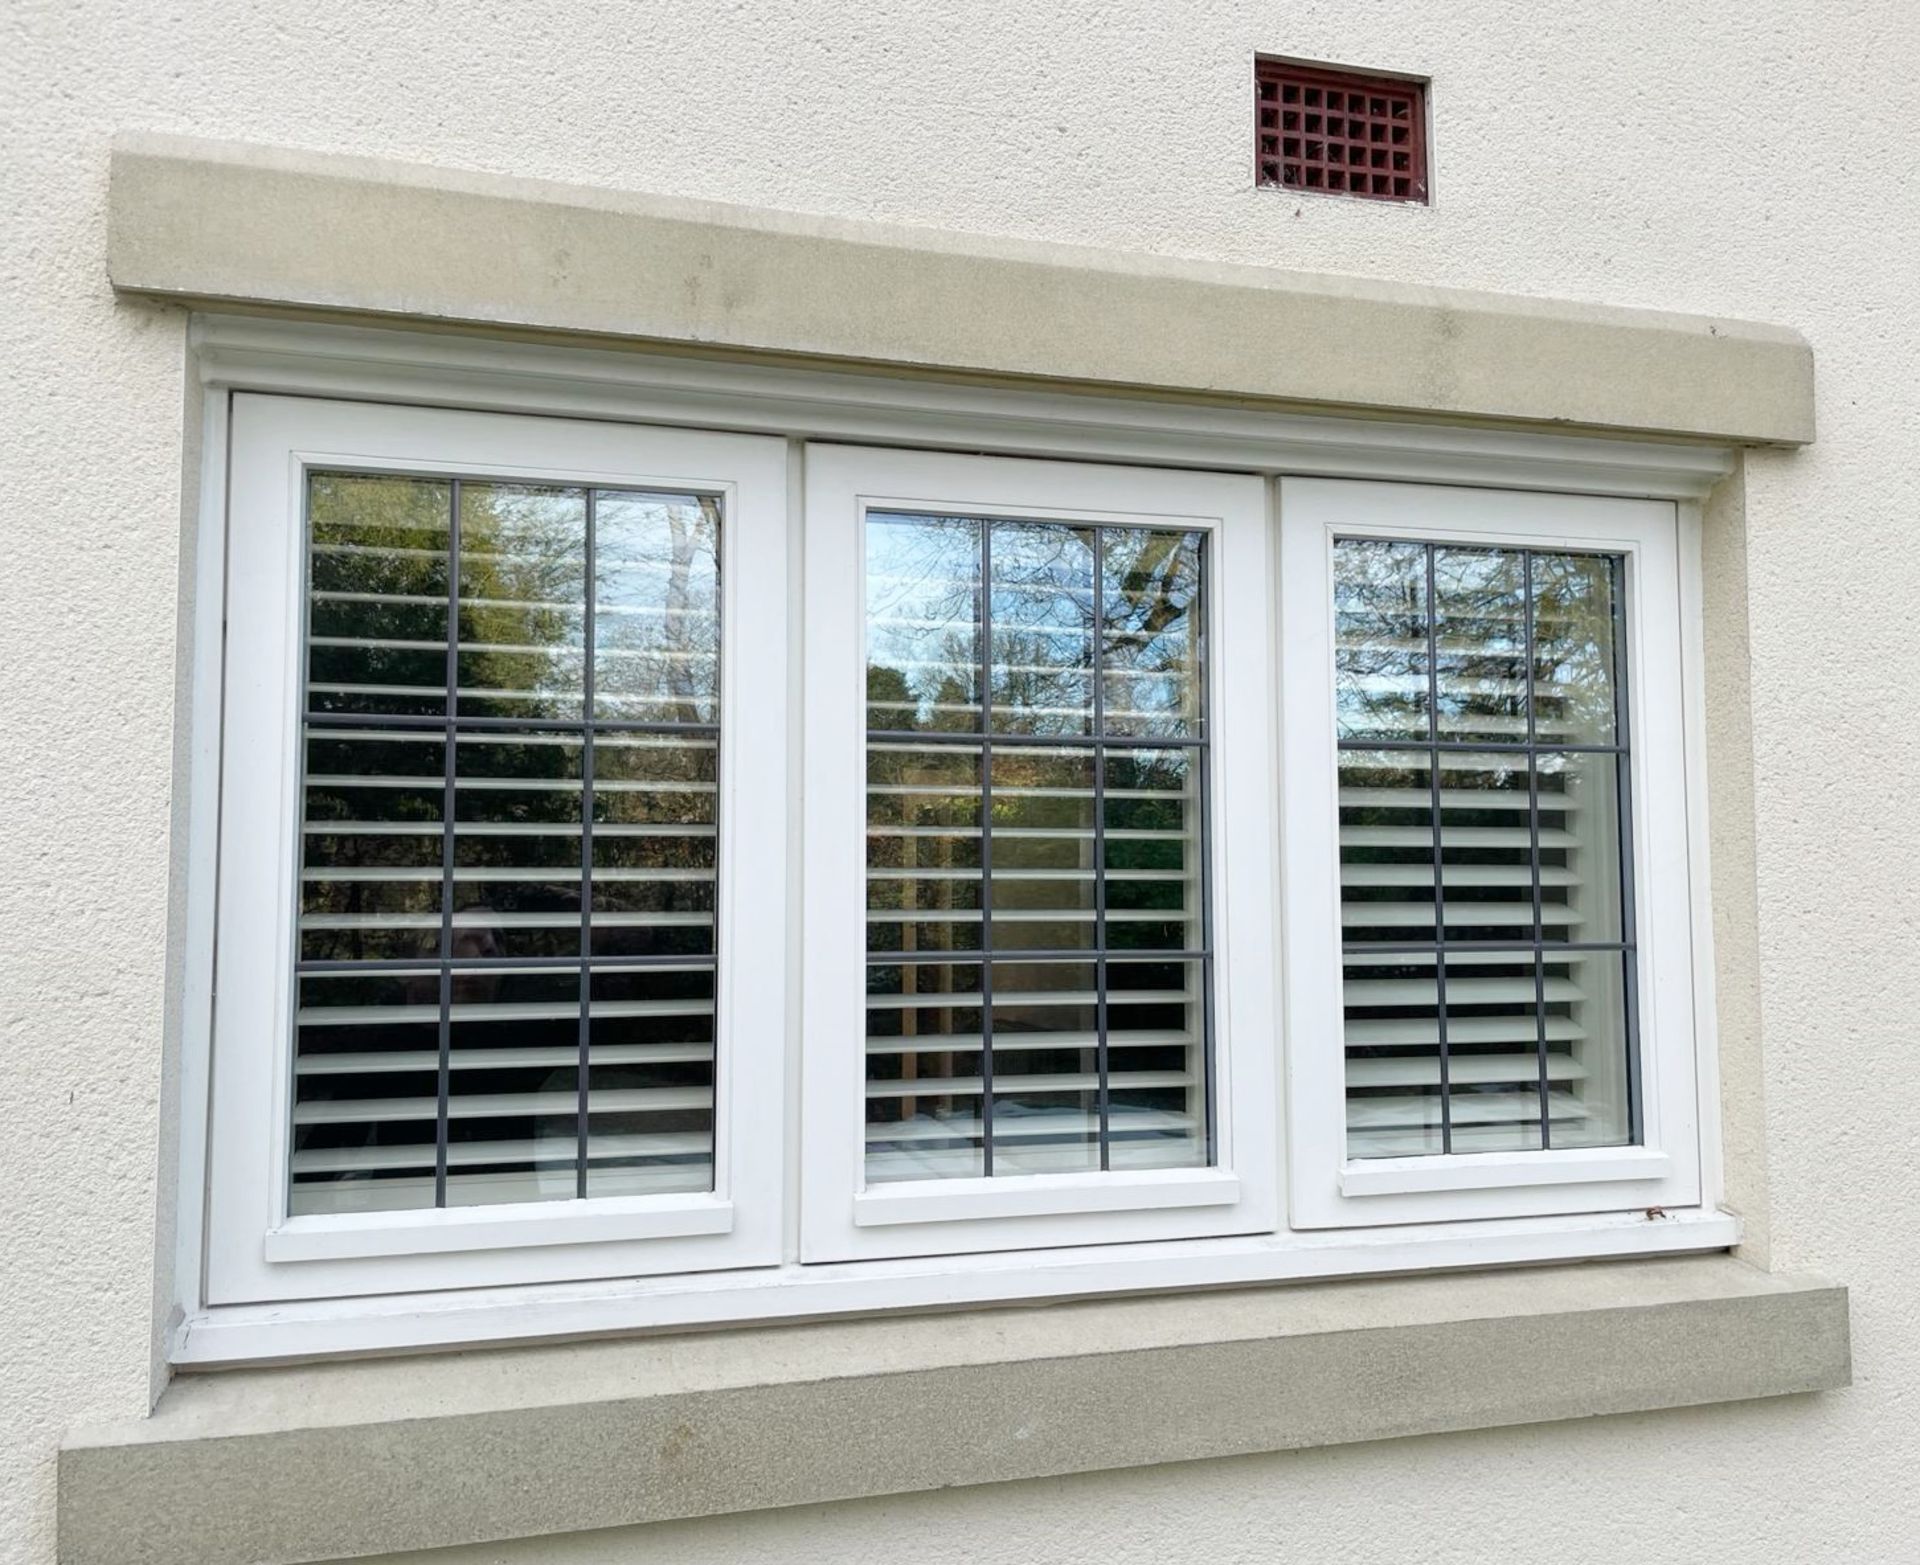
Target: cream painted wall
{"x":1753,"y":160}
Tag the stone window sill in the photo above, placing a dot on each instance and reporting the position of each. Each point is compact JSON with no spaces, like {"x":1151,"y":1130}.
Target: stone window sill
{"x":339,"y":1460}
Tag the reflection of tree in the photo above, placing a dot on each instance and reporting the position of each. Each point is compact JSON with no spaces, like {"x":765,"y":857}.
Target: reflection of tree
{"x":924,"y":611}
{"x":1479,"y":630}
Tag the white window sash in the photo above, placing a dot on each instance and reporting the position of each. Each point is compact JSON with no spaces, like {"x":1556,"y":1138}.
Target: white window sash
{"x":842,"y":1217}
{"x":1326,"y":1189}
{"x":255,"y":1251}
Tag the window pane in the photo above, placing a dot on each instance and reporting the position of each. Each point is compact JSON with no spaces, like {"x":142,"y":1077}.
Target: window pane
{"x":508,"y":876}
{"x":923,"y":623}
{"x":522,"y":601}
{"x":656,"y":627}
{"x":1489,"y":967}
{"x":925,"y":1048}
{"x":1042,"y":621}
{"x":1061,"y":843}
{"x":1576,"y":603}
{"x":1381,"y":652}
{"x":1150,"y":633}
{"x":377,"y":594}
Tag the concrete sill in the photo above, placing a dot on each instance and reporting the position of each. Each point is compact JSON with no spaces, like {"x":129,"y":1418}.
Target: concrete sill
{"x":339,"y":1460}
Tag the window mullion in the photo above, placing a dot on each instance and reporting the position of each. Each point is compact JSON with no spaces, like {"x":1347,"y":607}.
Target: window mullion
{"x":986,"y":848}
{"x":448,"y":843}
{"x":587,"y":737}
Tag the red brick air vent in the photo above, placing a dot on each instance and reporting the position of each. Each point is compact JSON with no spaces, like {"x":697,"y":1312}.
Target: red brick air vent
{"x":1339,"y":132}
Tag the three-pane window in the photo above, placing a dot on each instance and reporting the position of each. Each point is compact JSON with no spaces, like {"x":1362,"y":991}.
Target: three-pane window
{"x":576,"y":921}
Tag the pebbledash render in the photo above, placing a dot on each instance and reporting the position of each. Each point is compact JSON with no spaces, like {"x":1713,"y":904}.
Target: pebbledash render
{"x":958,"y":783}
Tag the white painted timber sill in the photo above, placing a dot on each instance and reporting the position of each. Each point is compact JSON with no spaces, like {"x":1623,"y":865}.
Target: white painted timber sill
{"x":340,"y":1460}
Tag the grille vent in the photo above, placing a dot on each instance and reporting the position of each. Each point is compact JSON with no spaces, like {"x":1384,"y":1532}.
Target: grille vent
{"x":1340,"y":132}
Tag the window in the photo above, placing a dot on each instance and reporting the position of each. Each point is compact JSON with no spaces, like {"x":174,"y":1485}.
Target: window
{"x":490,"y":758}
{"x":1034,"y":788}
{"x":505,"y":978}
{"x":1487,"y":871}
{"x":776,"y":875}
{"x":1338,"y":132}
{"x":1488,"y":974}
{"x":1036,"y":932}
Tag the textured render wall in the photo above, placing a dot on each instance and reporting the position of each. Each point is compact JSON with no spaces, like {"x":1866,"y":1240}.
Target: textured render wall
{"x":1750,"y":159}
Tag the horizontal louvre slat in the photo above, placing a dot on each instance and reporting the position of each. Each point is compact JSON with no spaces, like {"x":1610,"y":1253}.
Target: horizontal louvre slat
{"x":1016,"y":833}
{"x":1515,"y":837}
{"x":1450,"y":799}
{"x":477,"y":1154}
{"x":1029,"y":1042}
{"x":1052,"y":1123}
{"x":497,"y":1011}
{"x":1463,"y":1070}
{"x":1010,"y":875}
{"x":931,"y":1161}
{"x":502,"y":1105}
{"x":1453,"y":875}
{"x":513,"y":784}
{"x":350,"y":828}
{"x":1013,"y":1086}
{"x":1366,"y":1143}
{"x":1376,"y":992}
{"x":1003,"y":794}
{"x":400,"y":1061}
{"x":490,"y":874}
{"x":1461,"y":957}
{"x":1419,"y":915}
{"x":575,"y":655}
{"x":1029,"y":997}
{"x":1393,"y":1112}
{"x":539,"y":605}
{"x":1002,"y":915}
{"x":1371,"y":1032}
{"x":487,"y":919}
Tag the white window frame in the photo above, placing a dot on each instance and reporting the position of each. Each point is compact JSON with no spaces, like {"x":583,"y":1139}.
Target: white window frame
{"x":256,"y":1251}
{"x":582,"y":1287}
{"x":843,"y":1218}
{"x":1329,"y":1190}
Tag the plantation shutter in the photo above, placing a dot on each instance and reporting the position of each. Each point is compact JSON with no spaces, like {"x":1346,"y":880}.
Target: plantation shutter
{"x":1488,"y":967}
{"x":1038,"y":960}
{"x":505,"y":966}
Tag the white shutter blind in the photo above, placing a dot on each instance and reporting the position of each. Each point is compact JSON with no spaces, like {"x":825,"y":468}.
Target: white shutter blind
{"x":506,"y":930}
{"x":1486,"y":906}
{"x":1038,"y":965}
